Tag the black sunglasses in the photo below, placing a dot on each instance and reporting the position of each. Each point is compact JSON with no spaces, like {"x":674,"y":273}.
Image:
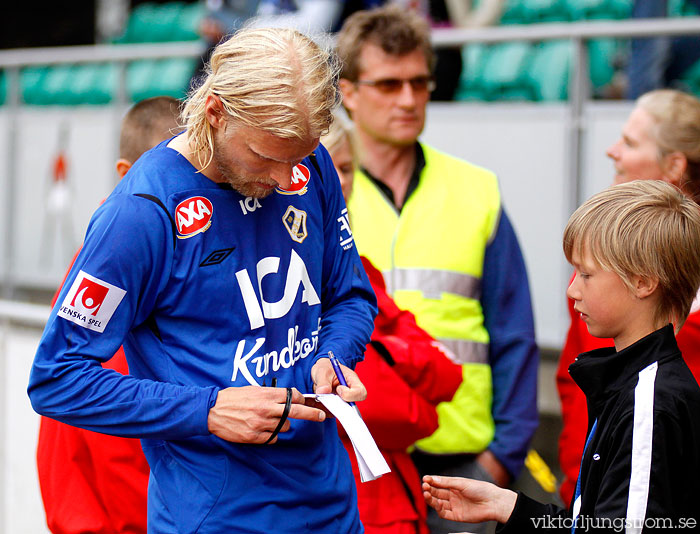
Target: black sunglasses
{"x":419,"y":84}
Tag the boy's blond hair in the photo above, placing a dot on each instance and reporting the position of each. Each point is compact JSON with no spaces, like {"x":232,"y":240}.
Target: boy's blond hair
{"x":273,"y":79}
{"x":643,"y":228}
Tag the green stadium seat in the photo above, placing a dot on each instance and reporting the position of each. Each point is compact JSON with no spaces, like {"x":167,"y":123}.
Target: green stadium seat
{"x":167,"y":27}
{"x":173,"y":77}
{"x":549,"y":70}
{"x":513,"y":12}
{"x":681,"y":8}
{"x":505,"y":73}
{"x":537,"y":11}
{"x":601,"y":60}
{"x":474,"y":58}
{"x":32,"y":84}
{"x":172,"y":21}
{"x":147,"y":78}
{"x":57,"y":85}
{"x":138,"y":27}
{"x":97,"y":83}
{"x":551,"y":65}
{"x":552,"y":62}
{"x":187,"y":25}
{"x":153,"y":23}
{"x":138,"y":78}
{"x":94,"y":84}
{"x":68,"y":85}
{"x":3,"y":87}
{"x":691,"y":79}
{"x":533,"y":11}
{"x":598,"y":9}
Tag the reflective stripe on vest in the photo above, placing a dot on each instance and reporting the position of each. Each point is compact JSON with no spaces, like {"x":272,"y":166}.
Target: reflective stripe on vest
{"x":433,"y":282}
{"x":466,"y":351}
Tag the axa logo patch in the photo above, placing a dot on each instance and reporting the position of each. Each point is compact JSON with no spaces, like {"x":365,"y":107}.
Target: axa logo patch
{"x":300,"y":181}
{"x":91,"y":302}
{"x":294,"y":221}
{"x":193,"y":216}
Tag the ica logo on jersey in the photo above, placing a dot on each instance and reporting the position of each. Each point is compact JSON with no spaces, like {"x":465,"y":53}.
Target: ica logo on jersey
{"x":300,"y":181}
{"x":249,"y":204}
{"x":297,"y":275}
{"x":193,"y":216}
{"x":91,"y":302}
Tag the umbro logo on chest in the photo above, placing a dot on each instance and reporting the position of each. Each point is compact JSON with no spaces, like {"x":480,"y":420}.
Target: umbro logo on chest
{"x":217,"y":257}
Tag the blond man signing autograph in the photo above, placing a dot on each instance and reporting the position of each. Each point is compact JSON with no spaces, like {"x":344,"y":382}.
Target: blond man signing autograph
{"x":224,"y":265}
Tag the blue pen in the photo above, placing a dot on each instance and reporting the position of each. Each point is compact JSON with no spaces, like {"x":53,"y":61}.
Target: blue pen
{"x":339,"y":373}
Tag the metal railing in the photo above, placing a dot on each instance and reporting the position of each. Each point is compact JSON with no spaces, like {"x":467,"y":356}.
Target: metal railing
{"x":12,"y":61}
{"x":579,"y":85}
{"x":24,"y":313}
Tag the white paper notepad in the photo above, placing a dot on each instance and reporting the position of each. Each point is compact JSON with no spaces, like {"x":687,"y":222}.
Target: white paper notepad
{"x":370,"y":461}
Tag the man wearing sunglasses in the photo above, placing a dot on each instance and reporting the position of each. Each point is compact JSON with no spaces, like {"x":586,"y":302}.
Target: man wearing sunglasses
{"x":434,"y":225}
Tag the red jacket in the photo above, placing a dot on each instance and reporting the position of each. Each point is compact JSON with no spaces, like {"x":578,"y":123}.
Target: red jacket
{"x":92,"y":483}
{"x":406,"y":374}
{"x":573,"y":402}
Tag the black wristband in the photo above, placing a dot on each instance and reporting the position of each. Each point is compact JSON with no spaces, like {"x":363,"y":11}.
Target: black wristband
{"x":285,"y":414}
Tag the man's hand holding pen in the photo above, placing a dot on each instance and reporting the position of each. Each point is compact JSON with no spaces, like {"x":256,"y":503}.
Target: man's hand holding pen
{"x":327,"y":380}
{"x":253,"y":414}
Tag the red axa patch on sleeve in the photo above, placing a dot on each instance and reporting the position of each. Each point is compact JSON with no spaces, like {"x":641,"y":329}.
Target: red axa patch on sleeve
{"x":91,"y":302}
{"x":193,"y":216}
{"x":300,"y":181}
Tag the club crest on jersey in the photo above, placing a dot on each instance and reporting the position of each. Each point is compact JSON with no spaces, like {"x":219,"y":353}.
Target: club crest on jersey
{"x":294,"y":221}
{"x":193,"y":216}
{"x":300,"y":181}
{"x":91,"y":302}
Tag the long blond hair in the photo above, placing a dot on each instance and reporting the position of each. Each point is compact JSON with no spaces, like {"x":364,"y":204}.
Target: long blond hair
{"x":274,"y":79}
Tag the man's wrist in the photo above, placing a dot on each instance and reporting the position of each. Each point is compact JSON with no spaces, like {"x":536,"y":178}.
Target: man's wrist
{"x":505,"y":504}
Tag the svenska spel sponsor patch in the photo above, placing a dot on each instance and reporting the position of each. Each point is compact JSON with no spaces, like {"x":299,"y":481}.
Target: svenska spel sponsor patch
{"x":91,"y":302}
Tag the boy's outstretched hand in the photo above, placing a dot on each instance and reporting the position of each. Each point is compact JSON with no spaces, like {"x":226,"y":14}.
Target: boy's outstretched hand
{"x":467,"y":500}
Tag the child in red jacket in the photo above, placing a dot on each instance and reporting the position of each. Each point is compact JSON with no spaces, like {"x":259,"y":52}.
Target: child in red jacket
{"x":406,"y":373}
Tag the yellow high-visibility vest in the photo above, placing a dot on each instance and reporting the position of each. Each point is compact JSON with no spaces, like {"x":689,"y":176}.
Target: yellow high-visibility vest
{"x":431,"y":256}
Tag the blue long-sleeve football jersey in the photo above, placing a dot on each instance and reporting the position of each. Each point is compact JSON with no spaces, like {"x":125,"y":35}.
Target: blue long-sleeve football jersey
{"x":208,"y":289}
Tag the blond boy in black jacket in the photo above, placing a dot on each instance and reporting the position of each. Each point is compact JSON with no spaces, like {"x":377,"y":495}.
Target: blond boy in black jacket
{"x":635,"y":251}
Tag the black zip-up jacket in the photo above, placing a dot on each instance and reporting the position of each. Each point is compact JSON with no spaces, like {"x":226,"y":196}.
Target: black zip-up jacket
{"x":642,"y":466}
